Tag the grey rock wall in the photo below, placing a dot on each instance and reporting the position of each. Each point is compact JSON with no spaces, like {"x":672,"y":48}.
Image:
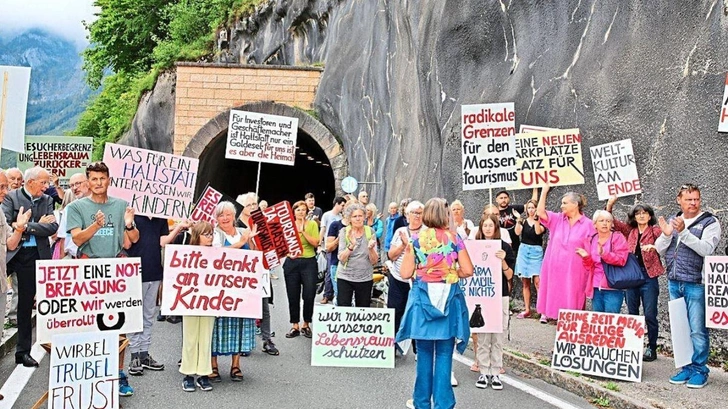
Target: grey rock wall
{"x":153,"y":124}
{"x":397,"y":72}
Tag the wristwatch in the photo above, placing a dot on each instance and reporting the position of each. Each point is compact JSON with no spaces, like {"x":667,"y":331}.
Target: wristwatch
{"x":133,"y":226}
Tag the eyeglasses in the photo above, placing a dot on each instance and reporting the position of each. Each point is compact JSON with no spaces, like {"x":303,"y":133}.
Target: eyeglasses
{"x":210,"y":234}
{"x":77,"y":184}
{"x":416,"y":214}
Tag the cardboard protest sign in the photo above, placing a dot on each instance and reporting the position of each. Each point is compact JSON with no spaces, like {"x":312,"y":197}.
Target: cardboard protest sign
{"x":682,"y":344}
{"x":723,"y":122}
{"x":63,"y":156}
{"x":533,"y":128}
{"x":549,"y":158}
{"x":277,"y":233}
{"x":716,"y":292}
{"x":88,"y":295}
{"x":205,"y":207}
{"x":84,"y":371}
{"x":14,"y":87}
{"x":488,"y":146}
{"x":600,"y":344}
{"x":261,"y":138}
{"x":615,"y":169}
{"x":212,"y":281}
{"x":154,"y":183}
{"x":353,"y":337}
{"x":483,"y":291}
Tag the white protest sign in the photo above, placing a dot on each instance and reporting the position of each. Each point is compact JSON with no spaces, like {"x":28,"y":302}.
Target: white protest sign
{"x":213,"y":281}
{"x":615,"y":170}
{"x":600,"y":344}
{"x":84,"y":371}
{"x":551,"y":157}
{"x":716,"y":292}
{"x":14,"y":87}
{"x":682,"y":344}
{"x":723,"y":122}
{"x":353,"y":337}
{"x":488,"y":146}
{"x":88,"y":295}
{"x":154,"y":183}
{"x":63,"y":156}
{"x":261,"y":138}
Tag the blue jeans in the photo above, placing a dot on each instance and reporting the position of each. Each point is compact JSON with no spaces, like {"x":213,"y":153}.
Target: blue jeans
{"x":334,"y":285}
{"x":434,"y":364}
{"x":607,"y":300}
{"x":694,"y":295}
{"x":647,"y":295}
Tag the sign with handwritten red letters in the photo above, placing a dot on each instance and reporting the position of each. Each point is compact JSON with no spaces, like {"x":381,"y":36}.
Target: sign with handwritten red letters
{"x":716,"y":292}
{"x":353,"y":337}
{"x":487,"y":145}
{"x":723,"y":122}
{"x":615,"y":169}
{"x":84,"y":371}
{"x":154,"y":183}
{"x":205,"y":208}
{"x":483,"y":291}
{"x":212,"y":281}
{"x":277,"y":234}
{"x":88,"y":295}
{"x":599,"y":344}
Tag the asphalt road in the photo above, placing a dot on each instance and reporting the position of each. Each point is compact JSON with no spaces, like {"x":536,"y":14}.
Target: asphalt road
{"x":289,"y":381}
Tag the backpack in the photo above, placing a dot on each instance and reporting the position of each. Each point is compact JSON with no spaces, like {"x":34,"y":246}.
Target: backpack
{"x":368,"y":232}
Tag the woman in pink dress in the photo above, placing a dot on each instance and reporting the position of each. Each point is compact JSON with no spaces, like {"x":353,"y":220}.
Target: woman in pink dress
{"x":563,"y":275}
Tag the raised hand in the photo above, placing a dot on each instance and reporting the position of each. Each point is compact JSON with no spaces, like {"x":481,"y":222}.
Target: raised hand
{"x":581,"y":252}
{"x":100,"y":219}
{"x":23,"y":217}
{"x":665,"y":226}
{"x":129,"y":216}
{"x":372,"y":243}
{"x":610,"y":203}
{"x":48,"y":218}
{"x":678,"y":224}
{"x":501,"y":254}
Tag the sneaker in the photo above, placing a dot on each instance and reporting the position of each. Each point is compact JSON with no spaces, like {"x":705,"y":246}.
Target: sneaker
{"x":179,"y":363}
{"x":257,"y":331}
{"x":203,"y":383}
{"x":161,"y":317}
{"x":682,"y":377}
{"x":410,"y":404}
{"x":453,"y":381}
{"x":649,"y":355}
{"x":496,"y":383}
{"x":174,"y":319}
{"x":151,"y":364}
{"x":698,"y":380}
{"x":543,"y":319}
{"x":136,"y":368}
{"x":124,"y":388}
{"x":270,"y":348}
{"x":188,"y":384}
{"x":482,"y":382}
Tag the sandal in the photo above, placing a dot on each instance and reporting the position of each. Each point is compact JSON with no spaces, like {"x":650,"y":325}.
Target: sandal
{"x":215,"y":376}
{"x":293,"y":333}
{"x":524,"y":314}
{"x":236,"y":375}
{"x":306,"y":331}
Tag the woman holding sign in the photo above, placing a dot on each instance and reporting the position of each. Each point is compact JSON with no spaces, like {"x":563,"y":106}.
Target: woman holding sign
{"x":231,"y":336}
{"x":197,"y":331}
{"x":436,"y":314}
{"x":301,"y":273}
{"x":563,"y":275}
{"x":603,"y":247}
{"x":489,"y":353}
{"x":357,"y":254}
{"x":641,"y":231}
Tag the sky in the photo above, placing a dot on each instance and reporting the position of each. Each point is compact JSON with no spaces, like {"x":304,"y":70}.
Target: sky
{"x":61,"y":17}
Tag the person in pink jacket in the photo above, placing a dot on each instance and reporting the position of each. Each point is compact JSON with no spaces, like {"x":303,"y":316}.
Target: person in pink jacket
{"x":603,"y":247}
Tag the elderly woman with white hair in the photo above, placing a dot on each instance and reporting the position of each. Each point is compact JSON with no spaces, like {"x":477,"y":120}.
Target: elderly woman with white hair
{"x":231,"y":336}
{"x":399,"y":288}
{"x":357,"y":254}
{"x":603,"y":247}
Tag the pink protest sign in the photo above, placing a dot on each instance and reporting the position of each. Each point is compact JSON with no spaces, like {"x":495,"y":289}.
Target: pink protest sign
{"x":153,"y":183}
{"x":483,"y":291}
{"x":212,"y":281}
{"x":716,"y":292}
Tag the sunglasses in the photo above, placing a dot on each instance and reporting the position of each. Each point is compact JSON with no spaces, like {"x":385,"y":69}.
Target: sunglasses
{"x":688,"y":186}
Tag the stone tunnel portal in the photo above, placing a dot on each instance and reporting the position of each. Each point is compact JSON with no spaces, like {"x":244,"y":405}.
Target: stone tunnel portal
{"x":311,"y":173}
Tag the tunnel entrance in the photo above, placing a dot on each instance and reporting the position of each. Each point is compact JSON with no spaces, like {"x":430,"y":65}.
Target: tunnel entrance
{"x":319,"y":167}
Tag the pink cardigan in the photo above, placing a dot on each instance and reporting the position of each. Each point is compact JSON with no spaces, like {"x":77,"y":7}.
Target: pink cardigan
{"x":615,"y":253}
{"x":652,"y":261}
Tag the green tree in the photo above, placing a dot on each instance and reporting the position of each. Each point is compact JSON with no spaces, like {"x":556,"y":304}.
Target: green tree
{"x":123,"y":37}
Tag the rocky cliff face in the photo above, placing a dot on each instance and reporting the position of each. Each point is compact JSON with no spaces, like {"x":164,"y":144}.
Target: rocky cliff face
{"x":397,"y":72}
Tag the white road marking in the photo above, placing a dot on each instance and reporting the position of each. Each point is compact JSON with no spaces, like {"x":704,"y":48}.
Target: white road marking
{"x":546,"y":397}
{"x":19,"y":378}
